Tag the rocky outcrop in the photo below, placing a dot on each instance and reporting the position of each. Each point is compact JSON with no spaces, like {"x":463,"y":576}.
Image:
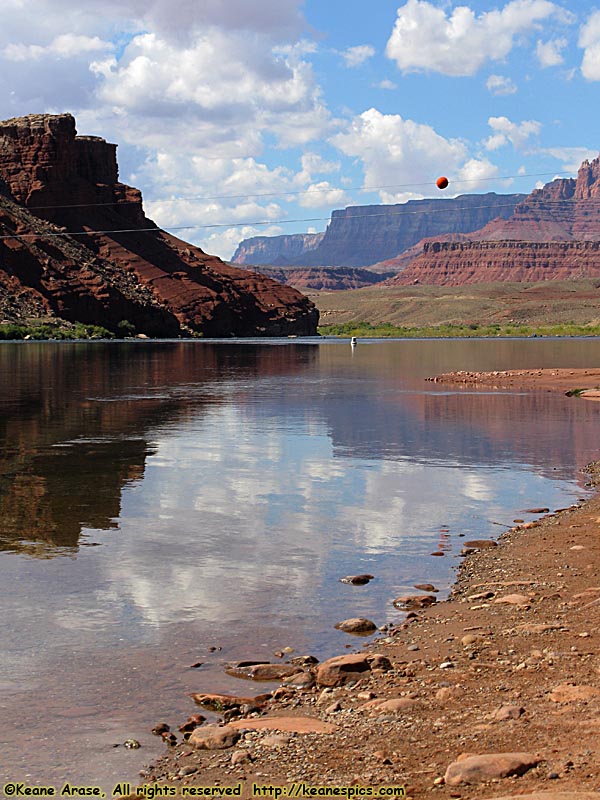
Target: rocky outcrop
{"x":324,"y":278}
{"x":565,"y":209}
{"x":275,"y":250}
{"x":457,"y":263}
{"x":119,"y":264}
{"x":51,"y":276}
{"x":554,"y":234}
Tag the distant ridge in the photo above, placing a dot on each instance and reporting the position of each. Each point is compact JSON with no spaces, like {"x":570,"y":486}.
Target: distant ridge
{"x":553,"y":234}
{"x":360,"y":236}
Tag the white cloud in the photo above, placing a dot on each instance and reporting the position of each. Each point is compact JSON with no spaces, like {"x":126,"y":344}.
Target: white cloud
{"x":403,"y":152}
{"x":499,"y":84}
{"x":314,"y":164}
{"x":211,"y":69}
{"x":355,"y":56}
{"x":475,"y":173}
{"x":426,"y":38}
{"x":64,"y":46}
{"x":571,"y":157}
{"x":180,"y":191}
{"x":549,"y":53}
{"x":506,"y":131}
{"x":589,"y":40}
{"x":174,"y":19}
{"x":222,"y":88}
{"x":387,"y":84}
{"x":323,"y":195}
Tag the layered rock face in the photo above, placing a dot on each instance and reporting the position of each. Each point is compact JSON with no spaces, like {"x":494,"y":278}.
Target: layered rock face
{"x":124,"y":266}
{"x":554,"y":234}
{"x":457,"y":263}
{"x":563,"y":210}
{"x":275,"y":250}
{"x":359,"y":236}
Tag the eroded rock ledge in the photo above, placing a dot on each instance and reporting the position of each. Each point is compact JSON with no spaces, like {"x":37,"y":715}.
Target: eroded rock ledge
{"x":159,"y":283}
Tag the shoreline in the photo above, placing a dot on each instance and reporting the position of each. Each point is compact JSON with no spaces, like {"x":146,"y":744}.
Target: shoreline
{"x":508,"y":664}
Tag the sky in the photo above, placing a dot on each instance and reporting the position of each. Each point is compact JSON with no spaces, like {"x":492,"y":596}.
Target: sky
{"x":240,"y":119}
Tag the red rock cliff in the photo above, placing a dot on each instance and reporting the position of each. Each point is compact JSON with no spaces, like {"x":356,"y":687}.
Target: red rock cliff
{"x":457,"y":263}
{"x":72,"y":181}
{"x":554,"y":234}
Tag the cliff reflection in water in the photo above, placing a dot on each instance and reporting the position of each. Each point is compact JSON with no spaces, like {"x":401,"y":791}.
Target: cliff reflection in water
{"x":76,"y":422}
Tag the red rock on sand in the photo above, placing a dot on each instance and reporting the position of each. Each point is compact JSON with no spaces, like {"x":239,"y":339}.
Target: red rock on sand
{"x":482,"y":768}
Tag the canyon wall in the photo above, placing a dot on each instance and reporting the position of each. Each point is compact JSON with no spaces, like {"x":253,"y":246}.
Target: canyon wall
{"x":275,"y":250}
{"x":359,"y":236}
{"x":553,"y":234}
{"x":457,"y":263}
{"x":72,"y":183}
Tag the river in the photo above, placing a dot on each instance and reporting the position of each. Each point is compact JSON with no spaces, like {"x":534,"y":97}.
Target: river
{"x":168,"y":504}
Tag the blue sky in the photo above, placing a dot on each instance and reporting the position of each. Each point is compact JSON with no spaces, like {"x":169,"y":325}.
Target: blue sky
{"x":229,"y":113}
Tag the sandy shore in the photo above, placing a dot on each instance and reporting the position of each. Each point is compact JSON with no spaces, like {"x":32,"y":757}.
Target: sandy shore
{"x":509,"y":664}
{"x":586,"y":381}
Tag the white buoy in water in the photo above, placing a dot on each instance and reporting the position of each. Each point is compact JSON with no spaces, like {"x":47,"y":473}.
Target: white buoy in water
{"x":353,"y":341}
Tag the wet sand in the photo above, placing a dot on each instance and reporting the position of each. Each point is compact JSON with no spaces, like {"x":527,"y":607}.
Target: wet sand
{"x":509,"y":664}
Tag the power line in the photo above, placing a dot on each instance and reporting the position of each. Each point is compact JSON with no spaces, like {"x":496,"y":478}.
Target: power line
{"x":206,"y":226}
{"x":296,"y":193}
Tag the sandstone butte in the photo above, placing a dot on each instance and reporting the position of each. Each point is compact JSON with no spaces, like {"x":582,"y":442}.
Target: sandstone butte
{"x":63,"y":252}
{"x":554,"y":234}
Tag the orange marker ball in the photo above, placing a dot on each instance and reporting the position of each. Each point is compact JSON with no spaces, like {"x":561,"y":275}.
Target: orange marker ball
{"x":442,"y":182}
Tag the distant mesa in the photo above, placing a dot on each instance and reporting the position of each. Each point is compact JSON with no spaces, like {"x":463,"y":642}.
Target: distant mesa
{"x":551,"y":234}
{"x":362,"y":236}
{"x":53,"y":182}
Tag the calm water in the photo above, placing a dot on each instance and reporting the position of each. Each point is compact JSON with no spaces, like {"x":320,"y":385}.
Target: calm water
{"x":161,"y":499}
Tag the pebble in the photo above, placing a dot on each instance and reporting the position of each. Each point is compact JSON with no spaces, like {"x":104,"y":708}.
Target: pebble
{"x":358,"y":625}
{"x":188,"y":770}
{"x":240,"y":757}
{"x":508,"y":712}
{"x":514,"y":599}
{"x":214,"y":737}
{"x":412,"y":601}
{"x":357,"y":580}
{"x":160,"y":728}
{"x":480,"y":544}
{"x":276,"y":740}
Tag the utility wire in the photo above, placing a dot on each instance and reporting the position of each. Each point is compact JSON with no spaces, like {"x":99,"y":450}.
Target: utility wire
{"x":258,"y":222}
{"x":205,"y":226}
{"x":296,"y":193}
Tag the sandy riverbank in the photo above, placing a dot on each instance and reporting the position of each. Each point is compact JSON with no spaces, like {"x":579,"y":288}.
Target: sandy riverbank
{"x":510,"y":663}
